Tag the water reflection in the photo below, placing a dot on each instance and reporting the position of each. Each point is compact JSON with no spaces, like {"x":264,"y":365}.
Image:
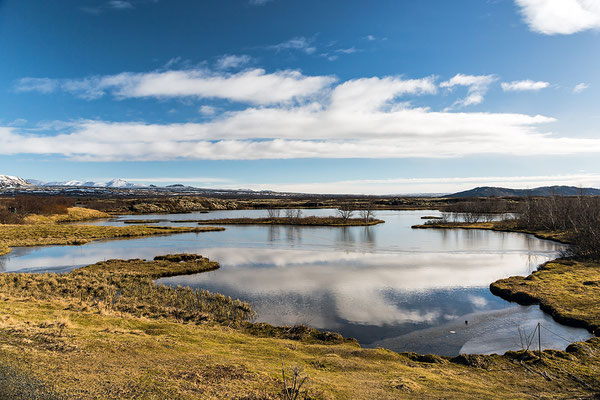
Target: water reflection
{"x":372,"y":289}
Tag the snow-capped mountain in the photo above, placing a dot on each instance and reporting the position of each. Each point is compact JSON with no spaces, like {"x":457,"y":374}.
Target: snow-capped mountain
{"x":114,"y":183}
{"x":12,"y":181}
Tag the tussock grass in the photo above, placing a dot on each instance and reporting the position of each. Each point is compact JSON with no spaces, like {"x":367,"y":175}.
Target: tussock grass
{"x":128,"y":286}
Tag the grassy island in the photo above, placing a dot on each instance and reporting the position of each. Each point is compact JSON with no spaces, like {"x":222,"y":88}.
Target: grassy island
{"x":303,"y":221}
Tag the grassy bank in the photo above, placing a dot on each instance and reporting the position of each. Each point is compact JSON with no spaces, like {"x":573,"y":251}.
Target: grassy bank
{"x":50,"y":230}
{"x":74,"y":337}
{"x":303,"y":221}
{"x":568,"y":290}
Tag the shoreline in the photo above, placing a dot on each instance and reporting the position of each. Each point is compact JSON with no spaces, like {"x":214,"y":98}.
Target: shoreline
{"x":515,"y":289}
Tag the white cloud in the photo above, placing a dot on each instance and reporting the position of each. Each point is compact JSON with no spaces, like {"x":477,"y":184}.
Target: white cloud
{"x":526,"y":85}
{"x":370,"y":37}
{"x":478,"y":86}
{"x":359,"y":118}
{"x":253,"y":86}
{"x":298,"y":43}
{"x":551,"y":17}
{"x":42,"y":85}
{"x":350,"y":50}
{"x":259,"y":2}
{"x":120,"y":4}
{"x":339,"y":130}
{"x":168,"y":180}
{"x":229,"y":61}
{"x":580,"y":87}
{"x":208,"y":110}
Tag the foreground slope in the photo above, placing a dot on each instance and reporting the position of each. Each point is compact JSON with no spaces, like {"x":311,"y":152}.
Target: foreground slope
{"x":107,"y":331}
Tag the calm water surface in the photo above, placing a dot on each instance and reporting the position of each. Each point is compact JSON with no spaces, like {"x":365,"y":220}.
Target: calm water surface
{"x":386,"y":285}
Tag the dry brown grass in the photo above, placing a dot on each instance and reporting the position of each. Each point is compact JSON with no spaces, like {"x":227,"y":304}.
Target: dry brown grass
{"x":43,"y":234}
{"x":128,"y":286}
{"x":107,"y":331}
{"x":107,"y":355}
{"x":73,"y":214}
{"x":303,"y":221}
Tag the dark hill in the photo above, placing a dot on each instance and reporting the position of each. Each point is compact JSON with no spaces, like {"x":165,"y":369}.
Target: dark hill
{"x":489,"y":191}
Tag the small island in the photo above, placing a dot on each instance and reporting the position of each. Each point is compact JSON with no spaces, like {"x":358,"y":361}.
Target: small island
{"x":302,"y":221}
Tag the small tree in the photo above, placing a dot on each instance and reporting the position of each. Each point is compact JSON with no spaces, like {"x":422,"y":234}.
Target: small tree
{"x":273,"y":213}
{"x":367,"y":213}
{"x":293,"y":214}
{"x":345,"y":212}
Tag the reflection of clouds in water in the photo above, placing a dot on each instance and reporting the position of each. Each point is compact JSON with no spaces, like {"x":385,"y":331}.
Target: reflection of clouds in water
{"x":272,"y":270}
{"x":478,"y":301}
{"x":368,"y":306}
{"x":356,"y":283}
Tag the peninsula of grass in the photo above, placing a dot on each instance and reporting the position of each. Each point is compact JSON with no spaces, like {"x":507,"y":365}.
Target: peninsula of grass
{"x":108,"y":331}
{"x":566,"y":289}
{"x":499,"y":226}
{"x":50,"y":230}
{"x":303,"y":221}
{"x":143,"y":221}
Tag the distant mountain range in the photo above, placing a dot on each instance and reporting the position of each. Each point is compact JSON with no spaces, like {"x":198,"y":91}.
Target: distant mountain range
{"x":7,"y":181}
{"x":489,"y":191}
{"x":114,"y":183}
{"x":13,"y":182}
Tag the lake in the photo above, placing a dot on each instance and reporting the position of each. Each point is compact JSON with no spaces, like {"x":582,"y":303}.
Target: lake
{"x":386,"y":285}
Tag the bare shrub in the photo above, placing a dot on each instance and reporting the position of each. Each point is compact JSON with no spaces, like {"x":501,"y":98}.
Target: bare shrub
{"x":578,"y":217}
{"x":293,"y":214}
{"x":345,"y":212}
{"x":273,"y":213}
{"x":292,"y":387}
{"x":367,"y":213}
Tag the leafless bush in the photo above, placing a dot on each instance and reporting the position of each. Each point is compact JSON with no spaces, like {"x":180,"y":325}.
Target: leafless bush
{"x":473,"y":211}
{"x":345,"y":212}
{"x":292,"y":388}
{"x":578,"y":217}
{"x":293,"y":214}
{"x":367,"y":213}
{"x":273,"y":213}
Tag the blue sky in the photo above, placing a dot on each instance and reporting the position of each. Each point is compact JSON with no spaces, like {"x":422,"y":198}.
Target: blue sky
{"x":385,"y":96}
